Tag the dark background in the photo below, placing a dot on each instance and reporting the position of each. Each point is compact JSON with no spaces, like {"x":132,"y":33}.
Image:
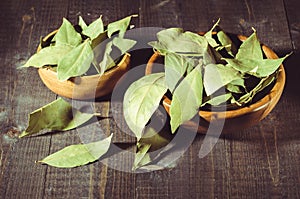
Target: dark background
{"x":260,"y":162}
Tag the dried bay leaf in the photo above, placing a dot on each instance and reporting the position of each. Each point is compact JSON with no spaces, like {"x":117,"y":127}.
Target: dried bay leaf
{"x":82,"y":23}
{"x":76,"y":62}
{"x":50,"y":55}
{"x":94,"y":29}
{"x":57,"y":115}
{"x":67,"y":35}
{"x":176,"y":41}
{"x":216,"y":76}
{"x":78,"y":155}
{"x":175,"y":68}
{"x":141,"y":100}
{"x":141,"y":157}
{"x":124,"y":45}
{"x":187,"y":98}
{"x":119,"y":26}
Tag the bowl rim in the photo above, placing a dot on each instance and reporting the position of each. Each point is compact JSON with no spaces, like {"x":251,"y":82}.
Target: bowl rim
{"x":260,"y":104}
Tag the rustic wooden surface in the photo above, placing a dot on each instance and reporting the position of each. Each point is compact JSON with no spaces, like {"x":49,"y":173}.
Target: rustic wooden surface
{"x":259,"y":162}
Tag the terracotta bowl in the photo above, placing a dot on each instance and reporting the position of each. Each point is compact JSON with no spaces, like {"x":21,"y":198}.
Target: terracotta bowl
{"x":237,"y":119}
{"x":84,"y":87}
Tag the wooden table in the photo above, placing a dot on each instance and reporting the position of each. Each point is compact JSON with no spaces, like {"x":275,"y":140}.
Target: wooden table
{"x":260,"y":162}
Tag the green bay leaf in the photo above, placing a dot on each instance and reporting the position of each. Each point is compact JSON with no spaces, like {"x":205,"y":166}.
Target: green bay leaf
{"x":57,"y":115}
{"x":217,"y":100}
{"x":268,"y":66}
{"x":175,"y":67}
{"x":76,"y":62}
{"x":124,"y":45}
{"x":227,"y":43}
{"x":107,"y":61}
{"x":67,"y":35}
{"x":94,"y":29}
{"x":216,"y":76}
{"x":142,"y":99}
{"x":141,"y":157}
{"x":78,"y":155}
{"x":250,"y":49}
{"x":82,"y":23}
{"x":50,"y":55}
{"x":119,"y":26}
{"x":187,"y":99}
{"x":174,"y":40}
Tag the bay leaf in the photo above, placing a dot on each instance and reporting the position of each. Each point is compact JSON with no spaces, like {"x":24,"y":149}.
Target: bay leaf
{"x":141,"y":100}
{"x":217,"y":100}
{"x":76,"y":62}
{"x":187,"y":99}
{"x":227,"y":43}
{"x":57,"y":115}
{"x":67,"y":35}
{"x":124,"y":45}
{"x":107,"y":61}
{"x":50,"y":55}
{"x":268,"y":66}
{"x":175,"y":41}
{"x":119,"y":26}
{"x":250,"y":49}
{"x":94,"y":29}
{"x":82,"y":23}
{"x":141,"y":156}
{"x":175,"y":67}
{"x":216,"y":76}
{"x":78,"y":155}
{"x":209,"y":36}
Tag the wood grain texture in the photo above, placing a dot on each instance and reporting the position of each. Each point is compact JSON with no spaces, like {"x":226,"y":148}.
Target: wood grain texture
{"x":259,"y":162}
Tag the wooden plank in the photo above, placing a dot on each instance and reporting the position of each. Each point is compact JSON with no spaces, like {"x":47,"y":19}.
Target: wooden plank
{"x":293,"y":20}
{"x":25,"y":22}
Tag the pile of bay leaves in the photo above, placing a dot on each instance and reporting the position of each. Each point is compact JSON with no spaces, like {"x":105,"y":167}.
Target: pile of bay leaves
{"x":73,"y":52}
{"x":199,"y":71}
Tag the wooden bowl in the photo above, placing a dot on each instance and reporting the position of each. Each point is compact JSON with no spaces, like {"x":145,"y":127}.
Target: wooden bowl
{"x":238,"y":119}
{"x":84,"y":87}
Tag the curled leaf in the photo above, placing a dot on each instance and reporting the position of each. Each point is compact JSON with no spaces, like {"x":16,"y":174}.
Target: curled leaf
{"x":57,"y":115}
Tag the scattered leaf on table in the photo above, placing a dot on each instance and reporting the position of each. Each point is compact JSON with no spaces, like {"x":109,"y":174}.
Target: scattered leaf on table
{"x":57,"y":115}
{"x":78,"y":155}
{"x":141,"y":100}
{"x":67,"y":35}
{"x":76,"y":62}
{"x":48,"y":56}
{"x":187,"y":98}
